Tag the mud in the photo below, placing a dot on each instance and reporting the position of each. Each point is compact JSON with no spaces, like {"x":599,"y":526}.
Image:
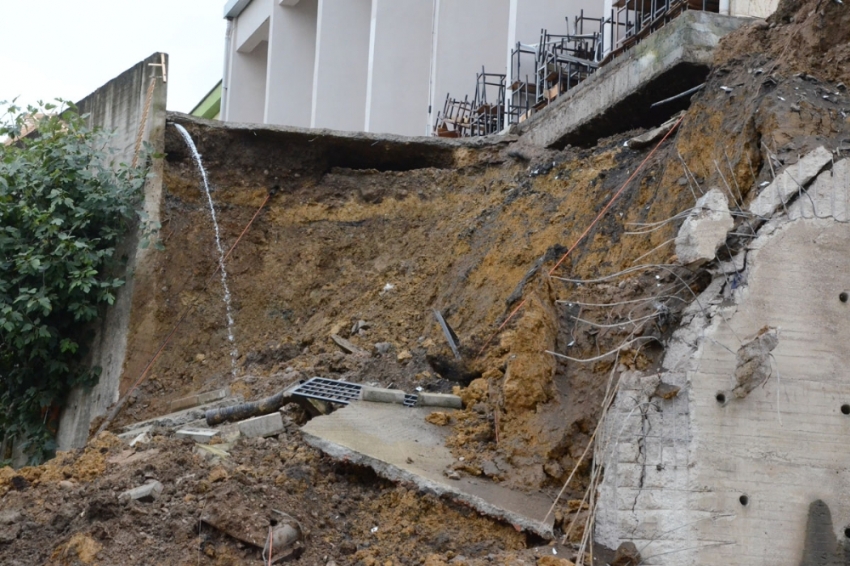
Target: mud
{"x":470,"y":230}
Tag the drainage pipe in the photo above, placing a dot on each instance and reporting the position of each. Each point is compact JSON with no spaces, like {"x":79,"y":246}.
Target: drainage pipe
{"x":247,"y":410}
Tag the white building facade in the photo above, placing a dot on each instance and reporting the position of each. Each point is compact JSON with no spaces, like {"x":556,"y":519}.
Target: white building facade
{"x":383,"y":66}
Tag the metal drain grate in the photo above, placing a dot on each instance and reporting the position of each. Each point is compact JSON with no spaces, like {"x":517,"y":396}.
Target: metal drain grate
{"x":329,"y":390}
{"x":410,"y":399}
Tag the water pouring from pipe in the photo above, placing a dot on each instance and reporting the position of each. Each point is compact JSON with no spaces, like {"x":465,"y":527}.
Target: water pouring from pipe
{"x":234,"y":353}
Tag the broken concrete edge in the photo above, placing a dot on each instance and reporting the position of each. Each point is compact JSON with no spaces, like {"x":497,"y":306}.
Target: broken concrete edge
{"x":671,"y":60}
{"x":790,"y":182}
{"x":198,"y":399}
{"x":393,"y":473}
{"x":353,"y":150}
{"x":145,"y":492}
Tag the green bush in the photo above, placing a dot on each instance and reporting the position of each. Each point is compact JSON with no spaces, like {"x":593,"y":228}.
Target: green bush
{"x":64,"y":206}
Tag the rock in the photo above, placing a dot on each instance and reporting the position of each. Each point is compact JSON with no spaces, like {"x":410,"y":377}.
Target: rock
{"x":65,"y":484}
{"x":554,"y":561}
{"x":347,"y":548}
{"x":452,"y":475}
{"x":10,"y":517}
{"x":217,"y":474}
{"x":788,"y":182}
{"x":704,"y":230}
{"x":200,"y":357}
{"x":753,"y":364}
{"x":9,"y":533}
{"x":627,"y":555}
{"x":383,"y":348}
{"x":144,"y":493}
{"x":666,"y":391}
{"x":553,"y":469}
{"x":404,"y":355}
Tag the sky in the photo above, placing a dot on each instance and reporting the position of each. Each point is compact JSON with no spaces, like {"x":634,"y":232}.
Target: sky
{"x":67,"y":48}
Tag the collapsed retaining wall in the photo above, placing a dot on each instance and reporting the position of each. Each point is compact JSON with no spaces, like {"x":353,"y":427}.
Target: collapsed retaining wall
{"x":127,"y":106}
{"x":718,"y":475}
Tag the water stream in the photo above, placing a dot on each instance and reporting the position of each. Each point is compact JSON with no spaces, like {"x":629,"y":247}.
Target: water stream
{"x":234,"y":353}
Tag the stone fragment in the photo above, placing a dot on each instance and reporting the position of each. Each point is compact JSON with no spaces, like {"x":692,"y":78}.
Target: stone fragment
{"x":144,"y":493}
{"x":383,"y":348}
{"x":666,"y":391}
{"x":265,"y":425}
{"x":627,"y":555}
{"x":404,"y":355}
{"x":349,"y":347}
{"x":202,"y":435}
{"x":790,"y":181}
{"x":655,"y":134}
{"x":704,"y":230}
{"x":753,"y":365}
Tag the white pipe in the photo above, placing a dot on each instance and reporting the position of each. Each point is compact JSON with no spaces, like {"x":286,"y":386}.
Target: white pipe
{"x":225,"y":74}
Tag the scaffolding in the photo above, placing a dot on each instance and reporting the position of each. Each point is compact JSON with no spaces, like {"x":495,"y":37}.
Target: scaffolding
{"x":542,"y":72}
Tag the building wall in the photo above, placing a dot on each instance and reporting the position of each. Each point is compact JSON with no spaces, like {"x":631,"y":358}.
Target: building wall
{"x":291,"y":63}
{"x":342,"y":64}
{"x":399,"y":67}
{"x":469,"y":34}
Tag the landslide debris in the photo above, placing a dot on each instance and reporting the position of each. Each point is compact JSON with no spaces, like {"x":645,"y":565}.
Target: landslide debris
{"x":474,"y":236}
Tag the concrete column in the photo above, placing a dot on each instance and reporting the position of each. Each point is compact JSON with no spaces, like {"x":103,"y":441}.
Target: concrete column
{"x":292,"y":59}
{"x":469,"y":34}
{"x":342,"y":64}
{"x":248,"y":58}
{"x":399,"y":67}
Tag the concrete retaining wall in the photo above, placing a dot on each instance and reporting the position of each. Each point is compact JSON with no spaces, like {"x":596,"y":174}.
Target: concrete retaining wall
{"x":708,"y":478}
{"x":119,"y":106}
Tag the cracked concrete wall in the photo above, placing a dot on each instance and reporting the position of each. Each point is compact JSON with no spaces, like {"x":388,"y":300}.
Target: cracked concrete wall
{"x":703,"y":479}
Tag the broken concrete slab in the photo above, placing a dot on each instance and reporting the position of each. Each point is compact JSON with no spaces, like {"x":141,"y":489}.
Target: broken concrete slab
{"x":655,"y":134}
{"x":704,"y":230}
{"x":790,"y":182}
{"x":618,"y":97}
{"x":199,"y":399}
{"x":827,"y":197}
{"x":202,"y":435}
{"x":178,"y":419}
{"x":349,"y":347}
{"x":145,"y":493}
{"x":399,"y":445}
{"x":265,"y":425}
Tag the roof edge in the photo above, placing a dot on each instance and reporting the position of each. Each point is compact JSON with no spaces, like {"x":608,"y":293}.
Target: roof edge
{"x":235,"y":7}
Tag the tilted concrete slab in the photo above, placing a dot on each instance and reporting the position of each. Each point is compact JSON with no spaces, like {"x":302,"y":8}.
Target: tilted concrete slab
{"x":400,"y":445}
{"x":618,"y":97}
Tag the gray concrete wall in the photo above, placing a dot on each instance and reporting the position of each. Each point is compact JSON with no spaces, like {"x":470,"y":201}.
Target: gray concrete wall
{"x":118,"y":106}
{"x":677,"y":469}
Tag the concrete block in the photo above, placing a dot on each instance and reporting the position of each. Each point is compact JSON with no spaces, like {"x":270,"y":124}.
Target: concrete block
{"x":265,"y":425}
{"x":202,"y":435}
{"x":198,"y":399}
{"x":379,"y":395}
{"x":789,"y":182}
{"x":145,"y":493}
{"x":704,"y":230}
{"x":439,"y":400}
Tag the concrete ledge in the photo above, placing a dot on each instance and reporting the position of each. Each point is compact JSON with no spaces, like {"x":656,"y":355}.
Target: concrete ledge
{"x":617,"y":98}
